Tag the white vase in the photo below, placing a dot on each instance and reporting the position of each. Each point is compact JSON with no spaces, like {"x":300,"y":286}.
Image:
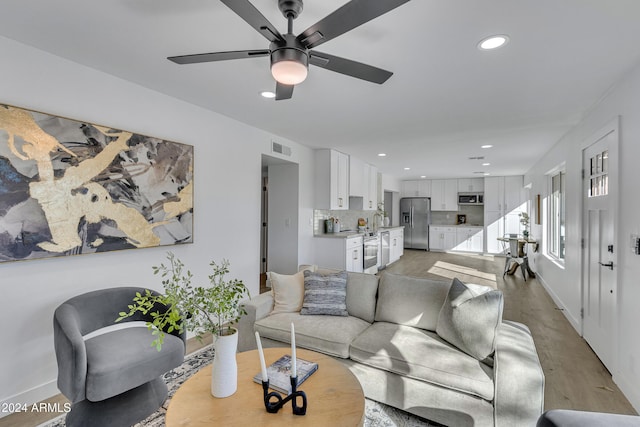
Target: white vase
{"x":224,"y":371}
{"x":386,"y":221}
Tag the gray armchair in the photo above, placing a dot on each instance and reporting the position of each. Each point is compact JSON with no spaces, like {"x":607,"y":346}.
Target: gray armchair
{"x":112,"y":378}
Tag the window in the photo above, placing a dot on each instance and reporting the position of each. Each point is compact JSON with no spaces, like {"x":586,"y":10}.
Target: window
{"x":599,"y":175}
{"x":556,"y":216}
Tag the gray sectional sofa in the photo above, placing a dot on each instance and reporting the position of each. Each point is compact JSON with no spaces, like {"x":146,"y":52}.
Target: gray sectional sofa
{"x":391,"y":340}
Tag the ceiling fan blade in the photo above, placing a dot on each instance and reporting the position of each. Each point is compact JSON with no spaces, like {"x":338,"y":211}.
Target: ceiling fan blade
{"x":218,"y":56}
{"x":346,"y":18}
{"x":349,"y":67}
{"x":245,"y":10}
{"x":283,"y":91}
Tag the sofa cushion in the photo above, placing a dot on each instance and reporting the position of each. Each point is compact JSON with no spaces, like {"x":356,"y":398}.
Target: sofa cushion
{"x":423,"y":355}
{"x":410,"y":301}
{"x":325,"y":294}
{"x":361,"y":295}
{"x":470,"y":317}
{"x":326,"y":334}
{"x":120,"y":360}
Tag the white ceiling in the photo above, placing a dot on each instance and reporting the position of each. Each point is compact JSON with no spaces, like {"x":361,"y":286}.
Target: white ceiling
{"x":445,"y":99}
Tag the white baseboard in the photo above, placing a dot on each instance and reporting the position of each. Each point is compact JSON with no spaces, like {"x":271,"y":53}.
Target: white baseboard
{"x":576,"y":323}
{"x":29,"y":397}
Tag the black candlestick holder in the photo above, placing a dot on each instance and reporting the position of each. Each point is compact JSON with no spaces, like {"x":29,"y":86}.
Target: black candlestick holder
{"x":273,"y":401}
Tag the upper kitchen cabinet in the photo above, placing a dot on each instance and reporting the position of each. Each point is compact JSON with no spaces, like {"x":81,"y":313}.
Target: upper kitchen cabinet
{"x":363,"y":182}
{"x":470,"y":185}
{"x":503,"y":194}
{"x":371,"y":193}
{"x":444,"y":194}
{"x":416,"y":188}
{"x":332,"y":180}
{"x":356,"y":177}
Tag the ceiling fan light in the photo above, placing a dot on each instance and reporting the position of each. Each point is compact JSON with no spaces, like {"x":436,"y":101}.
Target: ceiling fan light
{"x":289,"y":72}
{"x":289,"y":65}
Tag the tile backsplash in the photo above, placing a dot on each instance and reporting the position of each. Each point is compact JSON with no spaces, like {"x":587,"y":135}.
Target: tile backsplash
{"x":348,"y":219}
{"x":474,"y":214}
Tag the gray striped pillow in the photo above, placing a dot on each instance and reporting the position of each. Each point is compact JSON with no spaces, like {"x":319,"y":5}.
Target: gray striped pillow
{"x":325,"y":294}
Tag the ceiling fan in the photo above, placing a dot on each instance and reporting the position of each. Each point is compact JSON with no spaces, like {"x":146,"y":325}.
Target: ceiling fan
{"x":291,"y":54}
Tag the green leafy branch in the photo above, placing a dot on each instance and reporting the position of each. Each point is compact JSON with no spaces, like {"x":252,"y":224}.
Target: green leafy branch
{"x":198,"y":309}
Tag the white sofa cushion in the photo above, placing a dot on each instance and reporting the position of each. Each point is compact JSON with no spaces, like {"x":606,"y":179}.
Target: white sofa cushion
{"x":288,"y":289}
{"x":410,"y":301}
{"x":423,"y":355}
{"x":331,"y":335}
{"x":361,"y":295}
{"x":470,"y":317}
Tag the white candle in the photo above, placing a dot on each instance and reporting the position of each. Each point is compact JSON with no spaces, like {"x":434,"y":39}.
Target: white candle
{"x":294,"y":371}
{"x":263,"y":366}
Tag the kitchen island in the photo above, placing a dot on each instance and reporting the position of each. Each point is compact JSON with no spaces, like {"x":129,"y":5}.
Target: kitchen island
{"x":346,"y":250}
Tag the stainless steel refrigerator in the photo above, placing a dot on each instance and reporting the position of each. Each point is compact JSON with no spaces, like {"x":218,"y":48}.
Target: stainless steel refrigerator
{"x":415,"y":215}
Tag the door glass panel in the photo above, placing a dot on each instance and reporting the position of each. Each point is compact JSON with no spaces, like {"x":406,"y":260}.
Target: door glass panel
{"x":599,"y":179}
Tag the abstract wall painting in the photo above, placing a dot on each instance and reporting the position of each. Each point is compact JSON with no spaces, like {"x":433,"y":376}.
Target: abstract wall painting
{"x":69,"y":188}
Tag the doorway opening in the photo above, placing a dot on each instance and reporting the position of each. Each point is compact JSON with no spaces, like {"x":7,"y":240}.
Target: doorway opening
{"x":279,"y":218}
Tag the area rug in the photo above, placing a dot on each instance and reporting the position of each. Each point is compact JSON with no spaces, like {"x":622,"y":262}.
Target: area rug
{"x":377,"y":414}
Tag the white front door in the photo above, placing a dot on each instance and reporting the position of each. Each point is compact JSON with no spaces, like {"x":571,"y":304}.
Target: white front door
{"x":600,"y":249}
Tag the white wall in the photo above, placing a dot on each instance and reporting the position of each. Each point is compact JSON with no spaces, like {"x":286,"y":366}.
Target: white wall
{"x":622,"y":101}
{"x":226,"y":207}
{"x":282,"y":219}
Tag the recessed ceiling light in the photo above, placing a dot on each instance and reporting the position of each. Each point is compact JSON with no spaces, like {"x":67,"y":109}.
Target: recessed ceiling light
{"x":486,"y":164}
{"x":493,"y":42}
{"x":486,"y":174}
{"x":486,"y":146}
{"x":382,"y":154}
{"x":423,"y":176}
{"x":268,"y":94}
{"x":407,"y":169}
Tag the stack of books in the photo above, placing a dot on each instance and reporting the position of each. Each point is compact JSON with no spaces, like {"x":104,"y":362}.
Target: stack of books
{"x":279,"y":373}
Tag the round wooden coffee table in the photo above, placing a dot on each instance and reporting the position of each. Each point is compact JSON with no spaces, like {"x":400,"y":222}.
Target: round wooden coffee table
{"x":334,"y":396}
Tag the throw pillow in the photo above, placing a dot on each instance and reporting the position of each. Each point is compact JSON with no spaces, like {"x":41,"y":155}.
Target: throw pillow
{"x":470,"y":317}
{"x":287,"y":291}
{"x":325,"y":294}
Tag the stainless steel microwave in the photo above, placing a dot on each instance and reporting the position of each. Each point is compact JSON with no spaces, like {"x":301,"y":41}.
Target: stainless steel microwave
{"x":470,"y":198}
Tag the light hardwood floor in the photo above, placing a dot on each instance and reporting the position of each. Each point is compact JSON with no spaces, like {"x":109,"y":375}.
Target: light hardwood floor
{"x":575,"y":377}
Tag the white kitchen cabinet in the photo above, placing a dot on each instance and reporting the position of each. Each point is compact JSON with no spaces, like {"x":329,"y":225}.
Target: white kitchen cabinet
{"x":469,"y":239}
{"x":416,"y":188}
{"x":470,"y":185}
{"x":442,"y":238}
{"x":363,"y":182}
{"x":339,"y":253}
{"x":504,"y":194}
{"x":332,"y":180}
{"x":444,"y":195}
{"x":356,"y":177}
{"x":354,"y":260}
{"x":371,"y":188}
{"x":396,"y":244}
{"x":503,"y":202}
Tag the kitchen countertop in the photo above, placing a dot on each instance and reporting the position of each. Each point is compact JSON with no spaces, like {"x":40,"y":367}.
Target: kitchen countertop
{"x":352,"y":233}
{"x":458,"y":225}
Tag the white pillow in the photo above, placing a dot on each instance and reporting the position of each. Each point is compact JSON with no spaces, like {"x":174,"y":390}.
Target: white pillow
{"x":287,"y":291}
